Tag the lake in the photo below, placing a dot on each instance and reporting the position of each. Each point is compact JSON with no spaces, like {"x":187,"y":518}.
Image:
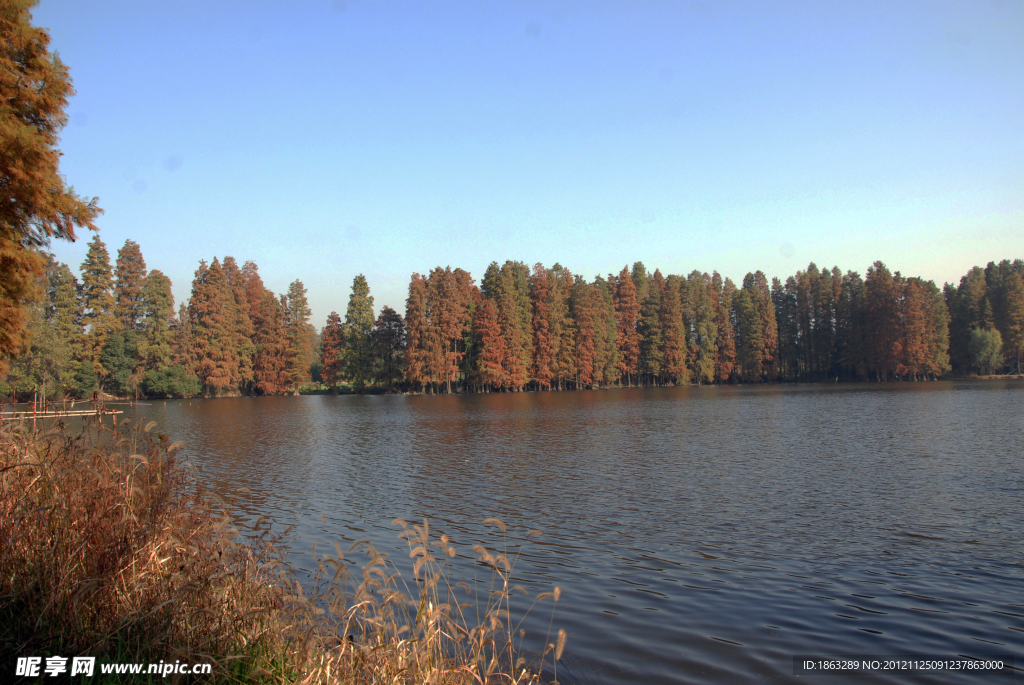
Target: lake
{"x":699,"y":534}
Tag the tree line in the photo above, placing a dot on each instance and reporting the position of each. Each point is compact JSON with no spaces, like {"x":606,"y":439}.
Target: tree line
{"x":117,"y":331}
{"x":547,"y":328}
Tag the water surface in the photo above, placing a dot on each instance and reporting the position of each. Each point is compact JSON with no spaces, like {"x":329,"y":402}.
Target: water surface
{"x":700,"y":535}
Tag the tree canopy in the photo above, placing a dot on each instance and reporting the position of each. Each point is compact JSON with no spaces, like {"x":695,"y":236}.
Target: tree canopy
{"x":36,"y":204}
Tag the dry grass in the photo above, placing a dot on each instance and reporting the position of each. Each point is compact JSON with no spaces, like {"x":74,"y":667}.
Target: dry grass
{"x":110,"y":548}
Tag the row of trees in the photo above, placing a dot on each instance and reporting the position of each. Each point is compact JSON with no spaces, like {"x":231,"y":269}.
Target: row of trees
{"x":546,"y":328}
{"x":117,"y":331}
{"x":542,"y":328}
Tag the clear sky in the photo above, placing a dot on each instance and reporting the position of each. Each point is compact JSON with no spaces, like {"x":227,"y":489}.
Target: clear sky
{"x":330,"y":138}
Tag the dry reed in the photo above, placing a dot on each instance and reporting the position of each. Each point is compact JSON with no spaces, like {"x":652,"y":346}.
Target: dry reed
{"x":109,"y":547}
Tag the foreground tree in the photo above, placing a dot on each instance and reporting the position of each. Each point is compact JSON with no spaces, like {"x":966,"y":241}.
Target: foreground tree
{"x":35,"y":203}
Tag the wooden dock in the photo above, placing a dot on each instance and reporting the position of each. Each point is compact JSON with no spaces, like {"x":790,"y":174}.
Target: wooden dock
{"x":19,"y":415}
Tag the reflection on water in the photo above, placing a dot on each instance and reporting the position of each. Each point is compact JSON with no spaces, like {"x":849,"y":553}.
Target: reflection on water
{"x":698,"y":534}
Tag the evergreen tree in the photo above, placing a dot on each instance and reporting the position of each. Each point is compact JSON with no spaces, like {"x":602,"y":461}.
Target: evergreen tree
{"x":489,"y":285}
{"x":606,"y":333}
{"x":64,"y":316}
{"x":627,"y":310}
{"x":583,"y":306}
{"x":721,"y":295}
{"x":825,"y":294}
{"x":297,"y":327}
{"x":359,"y":319}
{"x":332,"y":340}
{"x":674,"y":331}
{"x":388,"y":347}
{"x":966,"y":304}
{"x":641,"y":279}
{"x":47,"y":363}
{"x":119,"y":359}
{"x":1013,"y":338}
{"x":36,"y":204}
{"x":762,"y":296}
{"x":157,"y":322}
{"x":97,"y":300}
{"x":561,"y":327}
{"x":515,"y":319}
{"x":749,"y":333}
{"x":785,"y":302}
{"x":131,"y":280}
{"x":850,"y":321}
{"x":937,"y":318}
{"x":700,"y":316}
{"x":649,"y":328}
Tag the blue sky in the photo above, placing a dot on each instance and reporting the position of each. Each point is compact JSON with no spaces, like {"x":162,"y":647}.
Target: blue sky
{"x":330,"y":138}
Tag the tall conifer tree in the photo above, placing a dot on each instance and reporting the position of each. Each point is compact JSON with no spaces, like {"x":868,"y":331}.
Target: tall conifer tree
{"x":130,"y":272}
{"x":359,"y":319}
{"x":97,"y":300}
{"x":627,"y":310}
{"x":650,"y":331}
{"x":674,"y":331}
{"x":297,"y":327}
{"x":721,"y":294}
{"x":332,"y":340}
{"x":158,"y":322}
{"x":700,"y":315}
{"x":388,"y":347}
{"x":1013,"y":339}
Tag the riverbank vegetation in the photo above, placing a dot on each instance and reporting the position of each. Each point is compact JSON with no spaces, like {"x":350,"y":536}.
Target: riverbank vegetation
{"x":109,"y":547}
{"x":547,"y":329}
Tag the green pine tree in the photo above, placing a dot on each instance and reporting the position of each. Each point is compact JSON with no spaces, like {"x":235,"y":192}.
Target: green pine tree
{"x":358,"y":334}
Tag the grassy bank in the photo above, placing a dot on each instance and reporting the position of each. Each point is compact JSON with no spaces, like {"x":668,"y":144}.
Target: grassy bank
{"x":110,"y":548}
